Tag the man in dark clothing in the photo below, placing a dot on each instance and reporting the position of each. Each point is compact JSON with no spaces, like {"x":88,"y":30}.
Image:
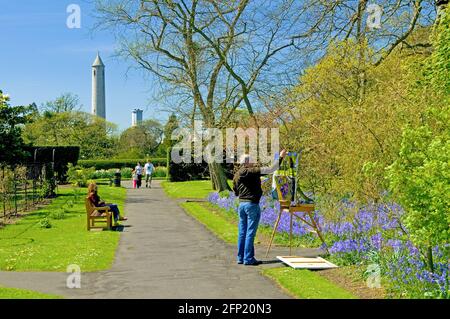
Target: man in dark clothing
{"x":247,"y":186}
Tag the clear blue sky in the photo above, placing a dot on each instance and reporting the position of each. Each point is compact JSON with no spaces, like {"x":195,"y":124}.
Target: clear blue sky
{"x":41,"y":58}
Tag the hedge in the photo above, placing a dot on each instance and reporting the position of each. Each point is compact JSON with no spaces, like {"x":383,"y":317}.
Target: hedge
{"x":63,"y":155}
{"x":187,"y":172}
{"x":180,"y":172}
{"x":120,"y":163}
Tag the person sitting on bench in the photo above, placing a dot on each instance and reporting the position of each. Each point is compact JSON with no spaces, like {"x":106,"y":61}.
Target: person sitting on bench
{"x":95,"y":200}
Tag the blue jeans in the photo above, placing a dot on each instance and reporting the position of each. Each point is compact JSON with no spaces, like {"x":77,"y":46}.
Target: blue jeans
{"x":115,"y":211}
{"x":249,"y":214}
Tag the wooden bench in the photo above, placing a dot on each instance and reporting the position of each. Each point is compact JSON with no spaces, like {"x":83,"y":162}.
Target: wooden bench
{"x":97,"y":215}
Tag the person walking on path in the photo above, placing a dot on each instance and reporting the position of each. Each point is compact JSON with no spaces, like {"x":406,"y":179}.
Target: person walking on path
{"x":138,"y":169}
{"x":247,"y":186}
{"x":134,"y":177}
{"x":148,"y":168}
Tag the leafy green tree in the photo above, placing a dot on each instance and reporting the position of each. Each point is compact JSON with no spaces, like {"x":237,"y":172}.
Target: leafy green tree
{"x":420,"y":181}
{"x":67,"y":102}
{"x":347,"y":140}
{"x":11,"y":121}
{"x":94,"y":136}
{"x":420,"y":177}
{"x":439,"y":62}
{"x":141,"y":140}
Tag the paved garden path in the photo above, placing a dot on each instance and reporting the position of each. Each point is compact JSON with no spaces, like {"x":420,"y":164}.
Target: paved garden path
{"x":164,"y":253}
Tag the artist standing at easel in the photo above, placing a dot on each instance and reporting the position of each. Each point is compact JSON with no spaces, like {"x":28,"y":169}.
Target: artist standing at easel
{"x":247,"y":186}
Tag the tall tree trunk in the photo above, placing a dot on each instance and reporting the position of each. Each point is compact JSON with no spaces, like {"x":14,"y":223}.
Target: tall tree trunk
{"x":218,"y":177}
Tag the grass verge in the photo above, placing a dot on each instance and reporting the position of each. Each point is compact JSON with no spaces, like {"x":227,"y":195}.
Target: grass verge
{"x":14,"y":293}
{"x":306,"y":284}
{"x":28,"y":245}
{"x":191,"y":189}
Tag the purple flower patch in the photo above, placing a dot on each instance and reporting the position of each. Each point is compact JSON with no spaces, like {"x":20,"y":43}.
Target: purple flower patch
{"x":359,"y":234}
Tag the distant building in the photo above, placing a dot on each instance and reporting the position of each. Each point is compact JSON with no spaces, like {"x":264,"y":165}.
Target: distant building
{"x":136,"y":117}
{"x":98,"y":88}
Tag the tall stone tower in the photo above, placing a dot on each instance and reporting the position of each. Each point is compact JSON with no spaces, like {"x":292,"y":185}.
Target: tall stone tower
{"x":98,"y":88}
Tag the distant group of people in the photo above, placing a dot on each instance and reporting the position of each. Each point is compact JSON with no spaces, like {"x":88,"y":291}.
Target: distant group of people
{"x":138,"y":171}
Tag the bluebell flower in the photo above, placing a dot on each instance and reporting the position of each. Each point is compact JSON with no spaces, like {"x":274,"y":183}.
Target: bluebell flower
{"x":356,"y":232}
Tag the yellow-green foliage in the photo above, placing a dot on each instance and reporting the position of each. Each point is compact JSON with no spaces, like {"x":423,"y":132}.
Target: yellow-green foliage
{"x":420,"y":177}
{"x":305,"y":284}
{"x":348,"y":115}
{"x":79,"y":176}
{"x":440,"y":59}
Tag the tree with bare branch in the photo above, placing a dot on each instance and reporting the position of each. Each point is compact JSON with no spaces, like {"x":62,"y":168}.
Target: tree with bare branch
{"x":216,"y":54}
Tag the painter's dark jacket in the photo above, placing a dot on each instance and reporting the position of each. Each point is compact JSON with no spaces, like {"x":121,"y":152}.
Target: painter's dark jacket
{"x":247,"y":181}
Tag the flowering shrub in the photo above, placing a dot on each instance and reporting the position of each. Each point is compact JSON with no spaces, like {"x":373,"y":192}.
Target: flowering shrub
{"x":126,"y":172}
{"x":78,"y":176}
{"x":102,"y":173}
{"x":160,"y":171}
{"x":363,"y":235}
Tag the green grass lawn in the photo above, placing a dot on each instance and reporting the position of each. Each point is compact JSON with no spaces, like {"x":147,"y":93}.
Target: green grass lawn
{"x":191,"y":189}
{"x":306,"y":284}
{"x":14,"y":293}
{"x":26,"y":246}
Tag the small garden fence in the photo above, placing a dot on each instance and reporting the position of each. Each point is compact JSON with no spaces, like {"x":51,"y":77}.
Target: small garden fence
{"x":22,"y":187}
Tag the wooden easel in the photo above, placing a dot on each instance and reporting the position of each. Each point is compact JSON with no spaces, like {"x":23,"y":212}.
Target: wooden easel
{"x":308,"y":219}
{"x":286,"y":206}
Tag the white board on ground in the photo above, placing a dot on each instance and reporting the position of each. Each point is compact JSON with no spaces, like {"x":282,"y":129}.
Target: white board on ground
{"x":298,"y":262}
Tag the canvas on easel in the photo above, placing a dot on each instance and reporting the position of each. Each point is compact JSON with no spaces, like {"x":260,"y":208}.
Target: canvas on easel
{"x":287,"y":189}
